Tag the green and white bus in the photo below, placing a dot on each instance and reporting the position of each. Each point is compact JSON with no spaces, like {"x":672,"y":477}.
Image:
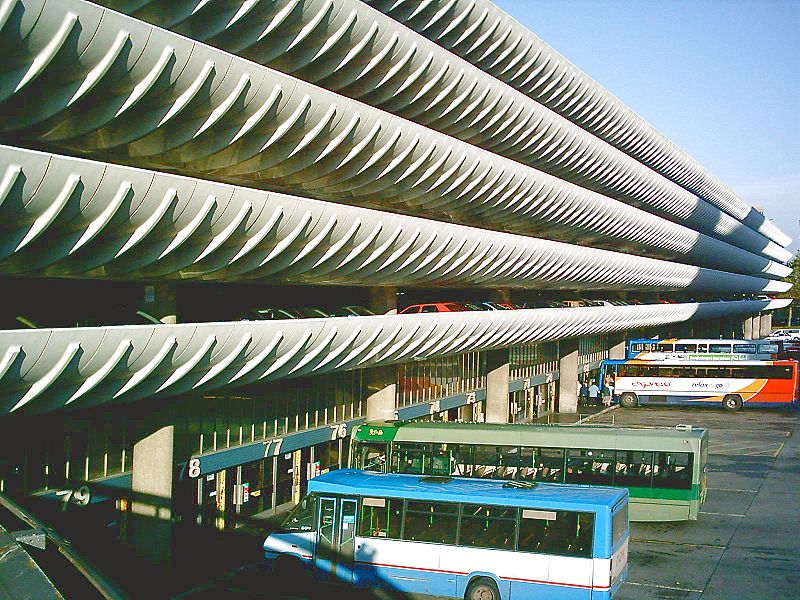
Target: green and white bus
{"x":664,"y":469}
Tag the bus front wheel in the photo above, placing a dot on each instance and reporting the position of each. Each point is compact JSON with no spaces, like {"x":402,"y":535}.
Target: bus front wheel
{"x":732,"y":402}
{"x":482,"y":588}
{"x":628,"y":400}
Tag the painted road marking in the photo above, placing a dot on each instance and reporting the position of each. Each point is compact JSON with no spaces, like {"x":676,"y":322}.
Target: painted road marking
{"x":664,"y":587}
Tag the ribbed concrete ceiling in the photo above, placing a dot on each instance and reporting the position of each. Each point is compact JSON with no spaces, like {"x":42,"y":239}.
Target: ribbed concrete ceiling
{"x":348,"y":47}
{"x":480,"y":32}
{"x":68,"y":217}
{"x":91,"y":81}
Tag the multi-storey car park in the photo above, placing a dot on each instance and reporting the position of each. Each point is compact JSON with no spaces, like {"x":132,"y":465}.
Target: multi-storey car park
{"x":191,"y":160}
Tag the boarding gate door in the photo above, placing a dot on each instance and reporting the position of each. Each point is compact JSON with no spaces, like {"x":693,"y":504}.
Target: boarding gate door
{"x":336,"y":537}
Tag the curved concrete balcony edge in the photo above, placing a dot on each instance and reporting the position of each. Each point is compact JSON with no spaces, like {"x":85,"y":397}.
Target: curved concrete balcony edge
{"x":46,"y":370}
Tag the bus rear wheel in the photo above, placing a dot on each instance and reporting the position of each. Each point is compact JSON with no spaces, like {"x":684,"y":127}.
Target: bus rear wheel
{"x":628,"y":400}
{"x":482,"y":588}
{"x":732,"y":402}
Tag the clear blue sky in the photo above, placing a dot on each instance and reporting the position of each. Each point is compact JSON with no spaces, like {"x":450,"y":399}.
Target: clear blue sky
{"x":720,"y":78}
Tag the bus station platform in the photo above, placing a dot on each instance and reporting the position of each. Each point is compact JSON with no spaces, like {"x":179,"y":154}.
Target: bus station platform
{"x":746,"y":542}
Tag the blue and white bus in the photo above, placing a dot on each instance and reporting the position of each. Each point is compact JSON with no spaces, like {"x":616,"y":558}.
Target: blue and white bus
{"x":459,"y":538}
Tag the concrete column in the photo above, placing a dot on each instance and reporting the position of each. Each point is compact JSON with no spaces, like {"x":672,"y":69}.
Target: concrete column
{"x":497,"y":375}
{"x":383,"y":300}
{"x":465,"y":413}
{"x":617,"y":343}
{"x":756,"y":326}
{"x":502,"y":295}
{"x":766,"y":324}
{"x":382,"y":391}
{"x":748,"y":328}
{"x":150,"y":526}
{"x":568,"y":375}
{"x":160,"y":301}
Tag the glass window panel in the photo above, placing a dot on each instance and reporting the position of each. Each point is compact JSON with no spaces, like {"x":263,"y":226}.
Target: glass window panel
{"x":550,"y":465}
{"x":527,"y":464}
{"x":381,"y":517}
{"x":633,"y":468}
{"x":564,"y":533}
{"x":672,"y":470}
{"x":487,"y":527}
{"x":431,"y":522}
{"x":590,"y":466}
{"x":719,"y":348}
{"x":411,"y":458}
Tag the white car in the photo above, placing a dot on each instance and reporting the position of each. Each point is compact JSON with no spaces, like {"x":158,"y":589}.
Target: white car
{"x":785,"y":334}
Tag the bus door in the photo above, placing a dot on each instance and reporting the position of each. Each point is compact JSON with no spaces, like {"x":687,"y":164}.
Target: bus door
{"x":336,"y":537}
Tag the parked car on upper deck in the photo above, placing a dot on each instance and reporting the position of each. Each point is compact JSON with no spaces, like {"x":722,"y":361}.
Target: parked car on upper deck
{"x":432,"y":307}
{"x":353,"y":310}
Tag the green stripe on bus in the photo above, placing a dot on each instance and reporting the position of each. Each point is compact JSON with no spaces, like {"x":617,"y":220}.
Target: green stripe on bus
{"x":664,"y":493}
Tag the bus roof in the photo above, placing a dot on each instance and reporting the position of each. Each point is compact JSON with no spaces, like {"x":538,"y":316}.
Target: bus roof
{"x":518,"y":434}
{"x":678,"y":362}
{"x":421,"y":487}
{"x":696,"y":341}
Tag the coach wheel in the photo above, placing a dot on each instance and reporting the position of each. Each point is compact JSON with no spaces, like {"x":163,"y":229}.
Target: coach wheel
{"x":732,"y":402}
{"x":482,"y":589}
{"x":628,"y":400}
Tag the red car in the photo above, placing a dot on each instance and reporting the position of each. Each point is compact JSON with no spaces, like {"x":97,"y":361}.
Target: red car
{"x":432,"y":307}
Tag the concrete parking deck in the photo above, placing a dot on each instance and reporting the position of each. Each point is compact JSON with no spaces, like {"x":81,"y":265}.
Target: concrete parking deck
{"x":746,"y":543}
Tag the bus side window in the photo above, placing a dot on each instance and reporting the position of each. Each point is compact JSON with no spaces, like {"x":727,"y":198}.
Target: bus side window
{"x":633,"y":468}
{"x":489,"y":462}
{"x":666,"y":347}
{"x":380,"y":517}
{"x":462,"y":460}
{"x":412,"y":458}
{"x":556,"y":532}
{"x":527,"y":464}
{"x":593,"y":467}
{"x":431,"y":522}
{"x":551,"y":465}
{"x":672,"y":470}
{"x":441,"y":460}
{"x":487,"y":527}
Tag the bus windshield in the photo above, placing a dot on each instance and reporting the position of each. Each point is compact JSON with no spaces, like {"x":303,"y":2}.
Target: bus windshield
{"x":301,"y":517}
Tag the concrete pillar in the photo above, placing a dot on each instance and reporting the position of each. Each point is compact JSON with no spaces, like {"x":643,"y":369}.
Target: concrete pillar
{"x":756,"y":318}
{"x":502,"y":295}
{"x":159,"y":300}
{"x":568,"y":375}
{"x":465,"y":413}
{"x":382,"y":391}
{"x":497,"y":375}
{"x":748,"y":328}
{"x":617,"y":343}
{"x":383,"y":300}
{"x":150,"y":525}
{"x":766,"y":324}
